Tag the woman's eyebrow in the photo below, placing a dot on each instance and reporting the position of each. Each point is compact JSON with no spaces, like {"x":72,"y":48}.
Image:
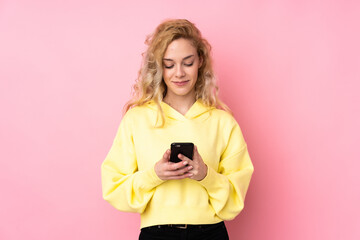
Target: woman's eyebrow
{"x":169,"y":59}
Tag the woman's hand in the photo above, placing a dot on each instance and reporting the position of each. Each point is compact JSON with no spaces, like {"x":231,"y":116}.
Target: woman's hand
{"x":167,"y":170}
{"x":199,"y":168}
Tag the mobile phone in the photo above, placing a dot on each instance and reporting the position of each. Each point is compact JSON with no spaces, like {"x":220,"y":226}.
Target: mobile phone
{"x":185,"y":148}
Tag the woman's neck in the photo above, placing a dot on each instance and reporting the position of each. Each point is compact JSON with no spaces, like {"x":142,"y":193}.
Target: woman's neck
{"x":180,"y":103}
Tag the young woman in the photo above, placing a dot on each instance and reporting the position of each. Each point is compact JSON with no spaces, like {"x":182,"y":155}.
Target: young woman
{"x":176,"y":101}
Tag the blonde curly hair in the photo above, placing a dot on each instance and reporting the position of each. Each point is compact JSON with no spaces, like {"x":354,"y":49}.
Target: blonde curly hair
{"x":150,"y":84}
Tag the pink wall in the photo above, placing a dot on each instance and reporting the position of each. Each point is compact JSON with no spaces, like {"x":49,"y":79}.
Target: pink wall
{"x":288,"y":69}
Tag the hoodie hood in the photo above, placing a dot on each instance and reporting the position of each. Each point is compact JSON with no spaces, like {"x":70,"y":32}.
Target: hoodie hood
{"x":198,"y":111}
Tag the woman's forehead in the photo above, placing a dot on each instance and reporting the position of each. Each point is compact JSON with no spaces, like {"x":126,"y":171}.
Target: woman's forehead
{"x":180,"y":49}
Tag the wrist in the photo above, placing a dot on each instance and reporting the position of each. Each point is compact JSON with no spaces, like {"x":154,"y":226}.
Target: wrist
{"x":205,"y":173}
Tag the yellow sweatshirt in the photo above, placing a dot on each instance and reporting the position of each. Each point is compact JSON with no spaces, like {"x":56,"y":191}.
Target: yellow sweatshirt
{"x":129,"y":181}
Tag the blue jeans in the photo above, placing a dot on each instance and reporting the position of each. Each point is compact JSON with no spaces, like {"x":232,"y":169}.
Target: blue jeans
{"x":192,"y":232}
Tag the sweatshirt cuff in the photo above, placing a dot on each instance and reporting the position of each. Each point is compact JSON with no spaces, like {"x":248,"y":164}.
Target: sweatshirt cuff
{"x":212,"y":179}
{"x":148,"y":179}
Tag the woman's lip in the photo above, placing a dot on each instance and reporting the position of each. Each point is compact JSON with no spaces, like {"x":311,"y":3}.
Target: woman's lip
{"x":181,"y":83}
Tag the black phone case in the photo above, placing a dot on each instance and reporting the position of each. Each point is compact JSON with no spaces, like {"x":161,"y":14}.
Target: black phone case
{"x":187,"y":149}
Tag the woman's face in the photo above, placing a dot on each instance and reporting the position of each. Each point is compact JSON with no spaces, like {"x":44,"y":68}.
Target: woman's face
{"x":180,"y":68}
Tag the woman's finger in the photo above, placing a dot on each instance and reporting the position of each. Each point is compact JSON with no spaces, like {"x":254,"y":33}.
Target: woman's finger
{"x":188,"y":175}
{"x":166,"y":156}
{"x":184,"y":158}
{"x":196,"y":154}
{"x":176,"y":166}
{"x":180,"y":172}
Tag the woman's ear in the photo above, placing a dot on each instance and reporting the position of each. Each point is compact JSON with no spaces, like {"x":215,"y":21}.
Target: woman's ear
{"x":200,"y":61}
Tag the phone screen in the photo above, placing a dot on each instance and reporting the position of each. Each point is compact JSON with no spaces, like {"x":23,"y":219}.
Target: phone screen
{"x":187,"y":149}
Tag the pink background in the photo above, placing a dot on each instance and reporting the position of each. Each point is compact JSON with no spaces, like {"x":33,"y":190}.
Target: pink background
{"x":290,"y":71}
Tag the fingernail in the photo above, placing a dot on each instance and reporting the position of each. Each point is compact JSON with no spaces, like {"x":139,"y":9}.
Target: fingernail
{"x":185,"y":163}
{"x":190,"y":167}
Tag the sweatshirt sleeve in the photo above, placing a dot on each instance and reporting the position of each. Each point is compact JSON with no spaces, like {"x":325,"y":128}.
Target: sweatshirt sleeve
{"x":227,"y":185}
{"x":123,"y":186}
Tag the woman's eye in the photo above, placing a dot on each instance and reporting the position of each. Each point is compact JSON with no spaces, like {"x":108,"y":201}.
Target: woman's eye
{"x":169,"y":66}
{"x":189,"y":64}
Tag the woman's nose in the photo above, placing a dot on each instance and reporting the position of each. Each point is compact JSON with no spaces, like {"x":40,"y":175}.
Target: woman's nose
{"x":180,"y":72}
